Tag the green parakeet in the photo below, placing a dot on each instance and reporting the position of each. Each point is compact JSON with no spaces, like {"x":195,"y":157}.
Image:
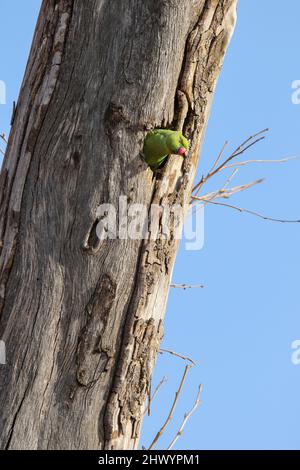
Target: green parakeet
{"x":160,"y":143}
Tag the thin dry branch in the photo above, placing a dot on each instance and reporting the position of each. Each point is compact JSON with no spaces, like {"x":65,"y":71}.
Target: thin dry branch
{"x":147,"y":410}
{"x":246,"y":145}
{"x":247,"y":162}
{"x":256,"y":214}
{"x":237,"y":153}
{"x":252,"y":137}
{"x":219,"y":156}
{"x":187,"y":416}
{"x":198,"y":187}
{"x":170,"y":415}
{"x":234,"y":155}
{"x":3,"y":137}
{"x":225,"y":194}
{"x":187,"y":286}
{"x":173,"y":353}
{"x":230,"y":178}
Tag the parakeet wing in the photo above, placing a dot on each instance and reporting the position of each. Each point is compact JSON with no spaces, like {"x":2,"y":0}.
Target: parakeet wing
{"x":155,"y":147}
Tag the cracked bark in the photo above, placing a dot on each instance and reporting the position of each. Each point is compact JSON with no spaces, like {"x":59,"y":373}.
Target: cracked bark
{"x":83,"y":320}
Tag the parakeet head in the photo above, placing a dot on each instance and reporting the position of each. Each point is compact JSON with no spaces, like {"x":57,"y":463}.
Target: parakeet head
{"x":182,"y":151}
{"x":178,"y":144}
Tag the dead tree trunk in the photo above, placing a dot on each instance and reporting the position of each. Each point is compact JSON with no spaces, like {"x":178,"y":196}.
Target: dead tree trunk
{"x":82,"y":319}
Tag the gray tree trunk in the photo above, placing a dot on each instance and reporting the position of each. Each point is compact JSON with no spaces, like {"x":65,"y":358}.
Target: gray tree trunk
{"x":82,"y":319}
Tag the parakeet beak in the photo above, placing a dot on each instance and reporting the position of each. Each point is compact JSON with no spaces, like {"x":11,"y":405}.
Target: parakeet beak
{"x":182,"y":151}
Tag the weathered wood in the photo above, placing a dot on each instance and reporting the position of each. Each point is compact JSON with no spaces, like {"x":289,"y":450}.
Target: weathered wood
{"x":82,"y":320}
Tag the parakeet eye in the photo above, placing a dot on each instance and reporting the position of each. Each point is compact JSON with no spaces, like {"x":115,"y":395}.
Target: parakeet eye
{"x":182,"y":151}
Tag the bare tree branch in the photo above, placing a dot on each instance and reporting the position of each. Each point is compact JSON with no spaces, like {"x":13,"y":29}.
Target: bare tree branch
{"x":248,"y":143}
{"x":186,"y":286}
{"x":173,"y":353}
{"x":257,"y":214}
{"x":247,"y":162}
{"x":170,"y":415}
{"x":219,"y":157}
{"x":150,"y":401}
{"x":225,"y":194}
{"x":198,"y":186}
{"x":3,"y":137}
{"x":243,"y":144}
{"x":187,"y":416}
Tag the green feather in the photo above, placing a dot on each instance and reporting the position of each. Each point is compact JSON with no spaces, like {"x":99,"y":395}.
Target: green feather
{"x":160,"y":143}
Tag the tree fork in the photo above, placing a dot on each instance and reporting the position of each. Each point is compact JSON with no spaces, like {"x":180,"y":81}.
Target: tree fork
{"x":82,"y":319}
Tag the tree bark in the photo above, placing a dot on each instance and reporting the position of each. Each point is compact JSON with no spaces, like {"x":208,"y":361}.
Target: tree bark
{"x":82,"y":319}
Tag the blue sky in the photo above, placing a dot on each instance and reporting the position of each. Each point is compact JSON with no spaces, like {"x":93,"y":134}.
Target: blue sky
{"x":240,"y":327}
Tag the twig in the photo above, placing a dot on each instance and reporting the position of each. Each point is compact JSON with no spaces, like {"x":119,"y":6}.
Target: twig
{"x":173,"y":353}
{"x":225,"y":194}
{"x":216,"y":194}
{"x":198,"y":186}
{"x":219,"y":156}
{"x":3,"y":137}
{"x":186,"y":286}
{"x":166,"y":423}
{"x":247,"y":162}
{"x":234,"y":155}
{"x":150,"y":401}
{"x":230,"y":178}
{"x":187,"y":416}
{"x":243,"y":150}
{"x":248,"y":143}
{"x":252,"y":137}
{"x":257,"y":214}
{"x":149,"y":391}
